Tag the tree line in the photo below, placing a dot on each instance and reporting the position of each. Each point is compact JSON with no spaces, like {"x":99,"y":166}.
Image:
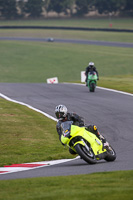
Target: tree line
{"x":13,"y":9}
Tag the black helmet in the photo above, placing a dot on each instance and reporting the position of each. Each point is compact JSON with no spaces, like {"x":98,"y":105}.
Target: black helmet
{"x":61,"y":112}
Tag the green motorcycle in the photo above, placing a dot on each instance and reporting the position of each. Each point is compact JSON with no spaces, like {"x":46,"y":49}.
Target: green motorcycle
{"x":92,"y":81}
{"x":85,"y":143}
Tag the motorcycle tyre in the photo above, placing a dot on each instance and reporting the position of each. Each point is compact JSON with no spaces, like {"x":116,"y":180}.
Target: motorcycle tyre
{"x":110,"y":157}
{"x":83,"y":155}
{"x":92,"y":87}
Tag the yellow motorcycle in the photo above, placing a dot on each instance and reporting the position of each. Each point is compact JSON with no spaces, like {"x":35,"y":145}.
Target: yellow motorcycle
{"x":85,"y":144}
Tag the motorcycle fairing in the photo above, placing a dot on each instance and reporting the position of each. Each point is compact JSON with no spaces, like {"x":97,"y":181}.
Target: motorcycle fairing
{"x":81,"y":132}
{"x":92,"y":78}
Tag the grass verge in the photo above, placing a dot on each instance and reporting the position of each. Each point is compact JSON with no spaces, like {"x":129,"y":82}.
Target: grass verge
{"x":18,"y":60}
{"x":27,"y":136}
{"x":37,"y":61}
{"x":122,"y":23}
{"x":122,"y":83}
{"x":109,"y":185}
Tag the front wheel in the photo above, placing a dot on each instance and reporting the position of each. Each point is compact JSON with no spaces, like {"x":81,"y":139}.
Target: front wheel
{"x":92,"y":87}
{"x":86,"y":153}
{"x":111,"y":155}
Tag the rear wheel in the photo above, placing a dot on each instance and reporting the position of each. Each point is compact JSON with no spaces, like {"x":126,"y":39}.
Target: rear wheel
{"x":111,"y":155}
{"x":86,"y":153}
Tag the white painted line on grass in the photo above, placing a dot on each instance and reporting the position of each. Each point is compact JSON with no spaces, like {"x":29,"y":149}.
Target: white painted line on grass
{"x":35,"y":109}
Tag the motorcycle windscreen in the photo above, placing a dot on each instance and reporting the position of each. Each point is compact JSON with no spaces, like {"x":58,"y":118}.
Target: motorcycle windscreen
{"x":66,"y":128}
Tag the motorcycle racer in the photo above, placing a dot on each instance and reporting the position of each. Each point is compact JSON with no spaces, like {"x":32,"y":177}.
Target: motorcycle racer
{"x":63,"y":115}
{"x":90,"y":68}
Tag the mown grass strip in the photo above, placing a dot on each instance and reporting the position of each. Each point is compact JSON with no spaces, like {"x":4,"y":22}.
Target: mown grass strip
{"x":97,"y":22}
{"x":37,"y":61}
{"x":121,"y":83}
{"x":107,"y":185}
{"x":27,"y":136}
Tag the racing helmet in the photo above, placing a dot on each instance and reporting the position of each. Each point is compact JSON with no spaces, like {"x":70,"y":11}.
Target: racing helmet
{"x":91,"y":64}
{"x":60,"y":111}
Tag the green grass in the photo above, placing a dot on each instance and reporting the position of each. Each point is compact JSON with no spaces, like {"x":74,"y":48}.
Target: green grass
{"x":109,"y":185}
{"x":37,"y":61}
{"x":27,"y":136}
{"x":123,"y":83}
{"x":122,"y":23}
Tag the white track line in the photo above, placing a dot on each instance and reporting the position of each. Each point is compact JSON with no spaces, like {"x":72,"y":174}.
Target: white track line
{"x":46,"y":163}
{"x":10,"y":169}
{"x":117,"y":91}
{"x":102,"y":88}
{"x":35,"y":109}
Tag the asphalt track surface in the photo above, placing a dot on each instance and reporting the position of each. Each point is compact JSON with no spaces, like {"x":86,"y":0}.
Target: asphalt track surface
{"x":74,"y":41}
{"x":112,"y":112}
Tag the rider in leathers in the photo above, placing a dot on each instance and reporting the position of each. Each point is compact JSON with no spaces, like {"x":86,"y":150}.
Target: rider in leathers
{"x":62,"y":115}
{"x":90,"y":68}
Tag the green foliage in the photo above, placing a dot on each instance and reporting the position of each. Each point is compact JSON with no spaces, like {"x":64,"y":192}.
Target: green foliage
{"x":8,"y":9}
{"x":82,"y":7}
{"x":13,"y":9}
{"x":33,"y":8}
{"x":56,"y":6}
{"x":59,"y":6}
{"x":109,"y":6}
{"x":128,"y":8}
{"x":129,"y":5}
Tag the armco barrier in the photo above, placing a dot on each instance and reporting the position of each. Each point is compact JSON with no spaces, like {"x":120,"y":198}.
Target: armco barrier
{"x":67,"y":28}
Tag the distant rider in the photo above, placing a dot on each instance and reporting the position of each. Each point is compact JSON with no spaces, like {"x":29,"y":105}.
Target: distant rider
{"x":62,"y":115}
{"x":90,"y":68}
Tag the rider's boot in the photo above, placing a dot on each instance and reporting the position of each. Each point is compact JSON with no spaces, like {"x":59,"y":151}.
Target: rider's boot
{"x":103,"y":139}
